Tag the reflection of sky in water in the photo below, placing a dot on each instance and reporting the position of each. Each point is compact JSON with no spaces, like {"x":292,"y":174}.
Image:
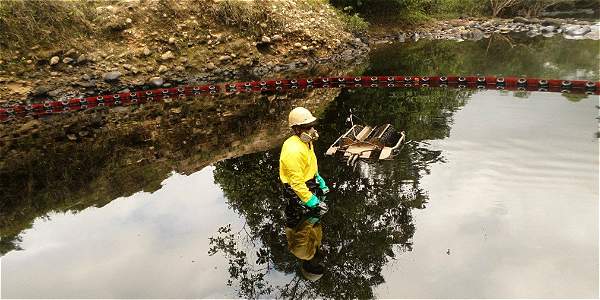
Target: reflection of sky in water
{"x":516,"y":204}
{"x":146,"y":245}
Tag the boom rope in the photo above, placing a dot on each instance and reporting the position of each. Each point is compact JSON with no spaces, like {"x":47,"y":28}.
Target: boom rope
{"x":45,"y":108}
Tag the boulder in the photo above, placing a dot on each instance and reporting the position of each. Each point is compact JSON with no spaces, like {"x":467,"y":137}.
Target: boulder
{"x":577,"y":30}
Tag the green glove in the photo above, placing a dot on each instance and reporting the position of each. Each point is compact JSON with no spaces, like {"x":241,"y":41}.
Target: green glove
{"x":322,"y":184}
{"x":313,"y":201}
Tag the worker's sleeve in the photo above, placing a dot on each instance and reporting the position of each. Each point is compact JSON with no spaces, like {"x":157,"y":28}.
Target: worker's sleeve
{"x":295,"y":164}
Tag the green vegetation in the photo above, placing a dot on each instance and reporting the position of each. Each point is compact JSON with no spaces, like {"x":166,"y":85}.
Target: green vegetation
{"x":409,"y":12}
{"x":354,"y":23}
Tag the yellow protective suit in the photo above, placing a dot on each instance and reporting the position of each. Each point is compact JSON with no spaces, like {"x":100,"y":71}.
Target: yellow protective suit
{"x":298,"y":164}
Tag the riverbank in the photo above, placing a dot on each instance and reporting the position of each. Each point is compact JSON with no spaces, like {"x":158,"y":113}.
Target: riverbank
{"x":480,"y":28}
{"x":139,"y":44}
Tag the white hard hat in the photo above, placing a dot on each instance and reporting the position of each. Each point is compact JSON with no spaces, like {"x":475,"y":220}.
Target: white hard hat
{"x":300,"y":116}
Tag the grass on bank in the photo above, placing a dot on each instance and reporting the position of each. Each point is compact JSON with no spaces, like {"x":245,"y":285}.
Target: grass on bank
{"x":24,"y":24}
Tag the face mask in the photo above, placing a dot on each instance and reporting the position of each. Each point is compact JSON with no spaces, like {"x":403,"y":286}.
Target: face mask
{"x":309,"y":136}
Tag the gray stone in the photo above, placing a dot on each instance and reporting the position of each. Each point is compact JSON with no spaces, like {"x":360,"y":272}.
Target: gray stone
{"x":156,"y":81}
{"x":276,"y":38}
{"x":577,"y":30}
{"x":171,"y":40}
{"x":67,"y":60}
{"x":224,"y":58}
{"x":41,"y":90}
{"x":211,"y":66}
{"x":162,"y":69}
{"x":111,"y":76}
{"x":265,"y":39}
{"x":87,"y":84}
{"x":146,"y":51}
{"x":54,"y":60}
{"x":297,"y":45}
{"x":474,"y":34}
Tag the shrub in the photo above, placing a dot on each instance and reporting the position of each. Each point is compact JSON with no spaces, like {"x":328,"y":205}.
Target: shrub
{"x":354,"y":23}
{"x":455,"y":8}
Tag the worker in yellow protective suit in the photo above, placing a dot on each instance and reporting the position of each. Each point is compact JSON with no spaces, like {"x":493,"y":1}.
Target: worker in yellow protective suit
{"x":298,"y":168}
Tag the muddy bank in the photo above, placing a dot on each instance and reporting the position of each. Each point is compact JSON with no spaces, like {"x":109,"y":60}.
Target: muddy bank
{"x":150,"y":43}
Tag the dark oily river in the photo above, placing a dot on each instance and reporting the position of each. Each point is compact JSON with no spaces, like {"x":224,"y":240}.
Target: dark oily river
{"x":494,"y":195}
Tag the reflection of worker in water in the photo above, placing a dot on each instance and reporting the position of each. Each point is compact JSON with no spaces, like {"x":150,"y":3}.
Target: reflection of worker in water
{"x":298,"y":163}
{"x":304,"y":233}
